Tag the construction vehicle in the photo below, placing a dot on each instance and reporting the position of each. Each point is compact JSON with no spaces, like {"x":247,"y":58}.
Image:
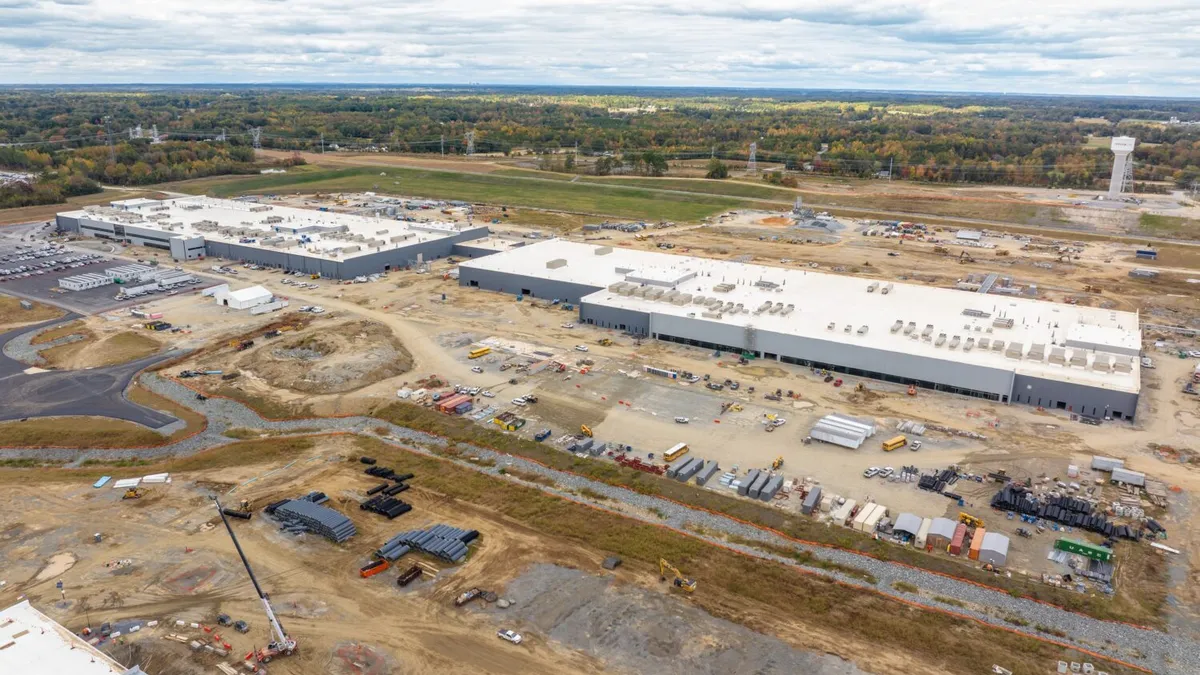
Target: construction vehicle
{"x":941,"y":250}
{"x":777,"y":464}
{"x":585,"y":430}
{"x":1001,"y":252}
{"x":281,"y":645}
{"x":912,"y":390}
{"x":964,"y":258}
{"x":678,"y":581}
{"x":134,"y":493}
{"x":969,"y":520}
{"x":604,"y":342}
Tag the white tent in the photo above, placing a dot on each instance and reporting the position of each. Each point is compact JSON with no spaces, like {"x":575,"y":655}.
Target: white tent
{"x":907,"y":523}
{"x":994,"y":549}
{"x":245,"y":298}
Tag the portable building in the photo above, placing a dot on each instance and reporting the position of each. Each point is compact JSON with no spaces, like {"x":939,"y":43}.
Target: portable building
{"x":977,"y":543}
{"x":759,"y":483}
{"x":245,"y":298}
{"x":908,"y":524}
{"x":1106,"y":463}
{"x":941,"y":533}
{"x":841,"y":515}
{"x":922,"y":533}
{"x":863,"y":513}
{"x":769,"y":490}
{"x":811,"y":501}
{"x":691,"y":469}
{"x":705,"y":474}
{"x":872,"y":522}
{"x":994,"y":549}
{"x":675,"y":468}
{"x":1129,"y":477}
{"x":749,"y":478}
{"x":956,"y":542}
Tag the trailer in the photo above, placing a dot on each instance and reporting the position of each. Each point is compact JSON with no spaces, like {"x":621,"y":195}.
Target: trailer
{"x":744,"y":486}
{"x":811,"y":501}
{"x":372,"y":568}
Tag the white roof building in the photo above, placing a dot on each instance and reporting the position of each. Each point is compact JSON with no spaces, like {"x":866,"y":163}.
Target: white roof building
{"x":32,"y":643}
{"x":244,"y":298}
{"x":1002,"y":348}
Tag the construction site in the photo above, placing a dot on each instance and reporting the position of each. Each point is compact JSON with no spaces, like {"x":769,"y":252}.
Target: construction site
{"x":566,"y":458}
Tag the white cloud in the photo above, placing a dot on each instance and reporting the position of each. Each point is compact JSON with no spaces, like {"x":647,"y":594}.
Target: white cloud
{"x":984,"y":45}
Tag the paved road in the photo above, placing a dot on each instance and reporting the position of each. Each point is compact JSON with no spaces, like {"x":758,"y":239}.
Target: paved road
{"x":94,"y":392}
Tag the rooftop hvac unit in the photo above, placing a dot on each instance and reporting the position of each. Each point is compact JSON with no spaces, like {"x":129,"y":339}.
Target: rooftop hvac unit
{"x":912,"y":326}
{"x":1079,"y":358}
{"x":628,"y":290}
{"x":928,"y":332}
{"x":711,"y":315}
{"x":941,"y":340}
{"x":998,"y":345}
{"x":897,"y":326}
{"x":775,"y":310}
{"x":831,"y":326}
{"x":616,"y":288}
{"x":955,"y":341}
{"x":682,"y":299}
{"x":723,"y":288}
{"x":713,"y":302}
{"x":887,"y":288}
{"x":699,"y":300}
{"x":1002,"y":322}
{"x":848,"y":328}
{"x":862,"y":330}
{"x":602,"y":250}
{"x":556,"y":263}
{"x":1037,"y":352}
{"x":1102,"y":364}
{"x":969,"y":344}
{"x":1123,"y":364}
{"x":872,"y":286}
{"x":1015,"y":350}
{"x":788,"y":310}
{"x":1058,"y":356}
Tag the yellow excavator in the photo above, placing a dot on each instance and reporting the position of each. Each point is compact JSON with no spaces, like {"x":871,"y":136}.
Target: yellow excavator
{"x":585,"y":430}
{"x":679,"y":581}
{"x":777,"y":464}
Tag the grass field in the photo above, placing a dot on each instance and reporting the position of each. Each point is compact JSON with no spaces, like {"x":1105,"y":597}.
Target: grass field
{"x":33,"y":214}
{"x":1169,"y":226}
{"x":12,"y":314}
{"x":99,"y":432}
{"x":617,"y":201}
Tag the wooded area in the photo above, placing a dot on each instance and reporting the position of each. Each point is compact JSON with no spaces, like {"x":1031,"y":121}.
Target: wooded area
{"x":1009,"y":140}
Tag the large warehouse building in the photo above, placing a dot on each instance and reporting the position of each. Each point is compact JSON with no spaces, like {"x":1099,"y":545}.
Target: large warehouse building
{"x":334,"y":245}
{"x":1004,"y":349}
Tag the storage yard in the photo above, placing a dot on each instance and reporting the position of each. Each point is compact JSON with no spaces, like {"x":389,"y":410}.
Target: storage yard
{"x":1079,"y":500}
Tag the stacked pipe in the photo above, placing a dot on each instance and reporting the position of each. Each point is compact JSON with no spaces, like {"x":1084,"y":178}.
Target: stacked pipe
{"x":380,"y":472}
{"x":306,"y":514}
{"x":443,"y":541}
{"x":1069,"y":511}
{"x":385,"y":505}
{"x":244,"y":515}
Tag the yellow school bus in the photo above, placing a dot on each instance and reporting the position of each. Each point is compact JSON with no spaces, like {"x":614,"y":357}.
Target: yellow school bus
{"x":897,"y":442}
{"x":476,"y":353}
{"x":679,"y":450}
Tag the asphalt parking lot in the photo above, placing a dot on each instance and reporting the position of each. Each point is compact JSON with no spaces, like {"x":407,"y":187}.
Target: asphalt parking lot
{"x":37,"y":286}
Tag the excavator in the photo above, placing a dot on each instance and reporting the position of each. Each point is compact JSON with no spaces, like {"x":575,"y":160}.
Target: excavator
{"x":679,"y":581}
{"x":777,"y":464}
{"x":964,"y":258}
{"x":585,"y":430}
{"x":281,"y":645}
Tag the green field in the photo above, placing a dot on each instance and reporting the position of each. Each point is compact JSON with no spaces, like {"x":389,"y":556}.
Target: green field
{"x":509,"y":190}
{"x":1169,"y":226}
{"x":723,"y":188}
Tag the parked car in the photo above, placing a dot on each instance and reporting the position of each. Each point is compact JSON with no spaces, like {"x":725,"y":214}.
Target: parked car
{"x":568,"y":325}
{"x":915,"y":446}
{"x":509,"y":636}
{"x":581,"y":348}
{"x":476,"y":369}
{"x":681,"y":420}
{"x":519,"y":401}
{"x":487,"y":394}
{"x":871,"y":472}
{"x":887,"y":471}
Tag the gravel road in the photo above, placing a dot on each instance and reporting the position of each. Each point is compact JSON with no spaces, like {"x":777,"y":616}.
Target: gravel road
{"x":1159,"y":651}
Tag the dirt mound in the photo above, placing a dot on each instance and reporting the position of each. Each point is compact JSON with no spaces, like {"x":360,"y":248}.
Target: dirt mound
{"x":332,"y":360}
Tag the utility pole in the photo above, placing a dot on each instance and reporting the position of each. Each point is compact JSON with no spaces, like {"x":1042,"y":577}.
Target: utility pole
{"x":256,"y":137}
{"x":322,"y":143}
{"x":891,"y":161}
{"x":443,"y":145}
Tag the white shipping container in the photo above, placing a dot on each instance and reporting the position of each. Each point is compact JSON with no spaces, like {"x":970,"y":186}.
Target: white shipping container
{"x":923,"y":533}
{"x":863,"y":513}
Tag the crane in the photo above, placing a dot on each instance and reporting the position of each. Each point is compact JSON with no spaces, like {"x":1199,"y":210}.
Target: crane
{"x":680,"y":582}
{"x":282,"y":644}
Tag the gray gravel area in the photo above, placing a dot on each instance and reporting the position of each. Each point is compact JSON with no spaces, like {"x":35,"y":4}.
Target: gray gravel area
{"x":21,"y":348}
{"x":637,"y":631}
{"x":1159,"y":651}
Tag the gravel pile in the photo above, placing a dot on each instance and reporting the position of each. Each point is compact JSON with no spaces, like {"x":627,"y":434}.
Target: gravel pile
{"x":1159,"y":651}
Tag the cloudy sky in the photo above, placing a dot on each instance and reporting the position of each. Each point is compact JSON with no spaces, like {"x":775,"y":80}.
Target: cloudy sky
{"x":1146,"y":47}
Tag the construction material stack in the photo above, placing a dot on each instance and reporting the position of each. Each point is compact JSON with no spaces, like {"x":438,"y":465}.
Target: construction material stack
{"x":304,"y":515}
{"x":443,"y":541}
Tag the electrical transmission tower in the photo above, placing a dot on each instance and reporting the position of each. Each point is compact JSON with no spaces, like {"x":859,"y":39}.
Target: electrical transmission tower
{"x":221,"y":137}
{"x":752,"y":165}
{"x":256,"y":137}
{"x":154,"y":134}
{"x":112,"y":153}
{"x":471,"y":142}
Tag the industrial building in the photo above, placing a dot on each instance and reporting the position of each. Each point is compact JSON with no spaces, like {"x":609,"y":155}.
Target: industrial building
{"x":32,"y":643}
{"x":334,"y":245}
{"x":1004,"y":349}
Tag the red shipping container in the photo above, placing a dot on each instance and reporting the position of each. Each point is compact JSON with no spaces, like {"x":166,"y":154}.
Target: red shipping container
{"x":956,"y":543}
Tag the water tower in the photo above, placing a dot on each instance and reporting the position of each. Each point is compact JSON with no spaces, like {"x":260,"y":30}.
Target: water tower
{"x":1122,"y":175}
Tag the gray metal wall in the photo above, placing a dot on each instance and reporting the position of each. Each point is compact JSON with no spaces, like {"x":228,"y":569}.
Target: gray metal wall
{"x":614,"y":317}
{"x":503,"y":282}
{"x":67,"y":224}
{"x":1091,"y":401}
{"x":467,"y":250}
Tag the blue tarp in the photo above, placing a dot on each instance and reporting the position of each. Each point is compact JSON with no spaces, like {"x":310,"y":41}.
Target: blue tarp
{"x":100,"y":483}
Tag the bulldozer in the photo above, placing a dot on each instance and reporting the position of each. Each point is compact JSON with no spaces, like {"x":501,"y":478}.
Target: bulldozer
{"x":969,"y":520}
{"x":585,"y":430}
{"x":777,"y":464}
{"x":941,"y":250}
{"x":604,"y":342}
{"x":134,"y":493}
{"x":678,"y":581}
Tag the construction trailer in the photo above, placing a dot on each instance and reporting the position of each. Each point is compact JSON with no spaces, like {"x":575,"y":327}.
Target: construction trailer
{"x":976,"y":543}
{"x":841,"y":514}
{"x":863,"y":513}
{"x":872,"y":523}
{"x":747,"y":480}
{"x":1106,"y":463}
{"x":711,"y":467}
{"x":1128,"y":477}
{"x":923,"y":533}
{"x":811,"y":501}
{"x":842,"y":430}
{"x":768,"y":491}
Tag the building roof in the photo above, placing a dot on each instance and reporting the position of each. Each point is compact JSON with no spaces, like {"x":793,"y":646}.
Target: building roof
{"x":322,"y":234}
{"x":32,"y":643}
{"x":942,"y":527}
{"x":907,"y":522}
{"x":815,"y":305}
{"x":994,"y":541}
{"x":970,"y":235}
{"x":251,"y":294}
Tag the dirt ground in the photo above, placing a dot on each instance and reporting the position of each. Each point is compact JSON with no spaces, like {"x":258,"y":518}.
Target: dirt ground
{"x":166,"y":557}
{"x":12,"y":315}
